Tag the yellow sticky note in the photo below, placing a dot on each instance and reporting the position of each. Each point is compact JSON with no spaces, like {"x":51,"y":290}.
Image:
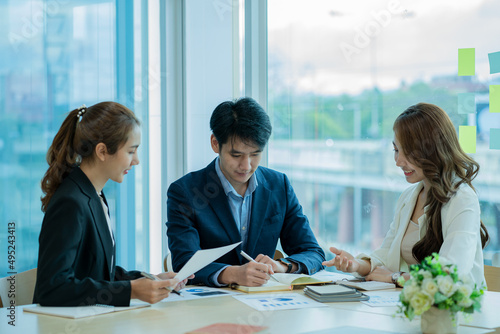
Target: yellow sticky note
{"x":467,"y":61}
{"x":494,"y":98}
{"x":467,"y":138}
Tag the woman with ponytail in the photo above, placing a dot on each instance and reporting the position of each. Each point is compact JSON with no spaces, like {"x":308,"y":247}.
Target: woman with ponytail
{"x":76,"y":259}
{"x":439,"y":213}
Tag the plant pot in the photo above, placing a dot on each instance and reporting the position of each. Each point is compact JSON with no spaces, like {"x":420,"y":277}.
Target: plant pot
{"x":436,"y":321}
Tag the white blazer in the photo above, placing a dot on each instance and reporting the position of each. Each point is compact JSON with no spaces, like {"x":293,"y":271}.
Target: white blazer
{"x":461,"y":233}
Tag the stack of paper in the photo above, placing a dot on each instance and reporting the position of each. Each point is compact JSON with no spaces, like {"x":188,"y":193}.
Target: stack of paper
{"x":334,"y":293}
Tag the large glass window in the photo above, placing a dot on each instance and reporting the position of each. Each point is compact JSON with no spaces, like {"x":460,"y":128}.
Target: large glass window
{"x":340,"y":72}
{"x":57,"y":55}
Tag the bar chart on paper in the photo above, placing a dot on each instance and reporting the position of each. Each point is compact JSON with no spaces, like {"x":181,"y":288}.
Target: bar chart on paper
{"x":286,"y":301}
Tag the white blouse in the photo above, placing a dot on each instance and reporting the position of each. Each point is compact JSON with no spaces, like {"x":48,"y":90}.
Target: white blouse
{"x":410,"y":238}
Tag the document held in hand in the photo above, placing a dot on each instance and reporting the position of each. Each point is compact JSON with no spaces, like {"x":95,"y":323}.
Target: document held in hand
{"x":202,"y":258}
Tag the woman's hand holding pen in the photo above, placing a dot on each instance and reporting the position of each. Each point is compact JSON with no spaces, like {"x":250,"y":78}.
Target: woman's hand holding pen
{"x":344,"y":261}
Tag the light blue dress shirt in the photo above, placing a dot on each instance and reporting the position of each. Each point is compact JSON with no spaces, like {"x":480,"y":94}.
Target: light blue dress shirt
{"x":241,"y":208}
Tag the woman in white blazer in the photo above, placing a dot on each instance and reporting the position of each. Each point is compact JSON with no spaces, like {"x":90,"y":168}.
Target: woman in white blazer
{"x":439,"y":213}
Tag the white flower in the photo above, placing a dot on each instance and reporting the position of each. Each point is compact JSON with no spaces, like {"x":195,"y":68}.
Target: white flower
{"x":465,"y":290}
{"x":446,"y":285}
{"x":429,"y":287}
{"x":465,"y":302}
{"x":420,"y":303}
{"x":425,"y":274}
{"x":410,"y":289}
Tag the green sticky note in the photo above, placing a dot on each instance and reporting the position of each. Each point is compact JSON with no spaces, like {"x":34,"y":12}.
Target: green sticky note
{"x":467,"y":138}
{"x":495,"y":139}
{"x":494,"y":59}
{"x":467,"y":61}
{"x":494,"y":98}
{"x":466,"y":103}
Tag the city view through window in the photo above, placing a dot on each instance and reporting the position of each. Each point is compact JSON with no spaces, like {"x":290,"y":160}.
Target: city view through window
{"x":339,"y":73}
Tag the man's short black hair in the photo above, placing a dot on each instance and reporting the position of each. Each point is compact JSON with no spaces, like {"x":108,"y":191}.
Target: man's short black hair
{"x":243,"y":118}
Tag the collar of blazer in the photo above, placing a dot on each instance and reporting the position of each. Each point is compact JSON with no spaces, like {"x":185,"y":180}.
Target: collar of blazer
{"x":99,"y":218}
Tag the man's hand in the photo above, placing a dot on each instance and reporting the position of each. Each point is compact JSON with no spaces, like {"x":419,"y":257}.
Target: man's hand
{"x":249,"y":274}
{"x":276,"y":266}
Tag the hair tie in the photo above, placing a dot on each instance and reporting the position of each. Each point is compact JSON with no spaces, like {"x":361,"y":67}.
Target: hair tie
{"x":81,"y":111}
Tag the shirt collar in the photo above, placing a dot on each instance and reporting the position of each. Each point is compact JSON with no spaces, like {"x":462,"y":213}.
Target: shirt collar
{"x":228,"y":187}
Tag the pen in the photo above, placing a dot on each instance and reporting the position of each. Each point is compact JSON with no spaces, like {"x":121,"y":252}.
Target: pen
{"x":154,"y":278}
{"x":249,"y":258}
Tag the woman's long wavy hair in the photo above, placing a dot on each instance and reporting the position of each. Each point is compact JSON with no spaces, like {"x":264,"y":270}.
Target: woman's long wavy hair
{"x":429,"y":140}
{"x":106,"y":122}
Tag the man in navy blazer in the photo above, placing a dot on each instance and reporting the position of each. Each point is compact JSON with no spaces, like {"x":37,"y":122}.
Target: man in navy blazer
{"x":233,"y":199}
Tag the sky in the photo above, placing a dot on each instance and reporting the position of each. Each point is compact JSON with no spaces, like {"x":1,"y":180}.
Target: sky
{"x":335,"y":47}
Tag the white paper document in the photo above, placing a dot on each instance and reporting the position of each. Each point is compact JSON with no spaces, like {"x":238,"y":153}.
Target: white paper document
{"x":274,"y":302}
{"x":383,"y":298}
{"x":201,"y":259}
{"x":198,"y":293}
{"x":76,"y":312}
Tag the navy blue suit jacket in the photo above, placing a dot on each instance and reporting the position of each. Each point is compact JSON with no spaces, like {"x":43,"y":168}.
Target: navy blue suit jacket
{"x":199,"y":217}
{"x":75,"y":250}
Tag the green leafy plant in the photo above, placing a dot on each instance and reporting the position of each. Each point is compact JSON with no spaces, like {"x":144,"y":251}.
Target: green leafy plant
{"x":435,"y":282}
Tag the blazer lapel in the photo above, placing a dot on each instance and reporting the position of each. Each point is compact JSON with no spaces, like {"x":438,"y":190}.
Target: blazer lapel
{"x":110,"y":256}
{"x":260,"y":201}
{"x":99,"y":220}
{"x":218,"y":201}
{"x":103,"y":231}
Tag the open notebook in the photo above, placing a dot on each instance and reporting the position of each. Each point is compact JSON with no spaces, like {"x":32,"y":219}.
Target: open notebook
{"x":285,"y":282}
{"x":352,"y":281}
{"x":76,"y":312}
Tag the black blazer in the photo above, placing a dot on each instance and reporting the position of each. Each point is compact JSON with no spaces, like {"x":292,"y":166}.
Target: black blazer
{"x":75,"y":250}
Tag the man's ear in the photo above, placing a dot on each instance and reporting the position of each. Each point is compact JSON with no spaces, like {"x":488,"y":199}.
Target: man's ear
{"x":101,"y":151}
{"x":215,"y":144}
